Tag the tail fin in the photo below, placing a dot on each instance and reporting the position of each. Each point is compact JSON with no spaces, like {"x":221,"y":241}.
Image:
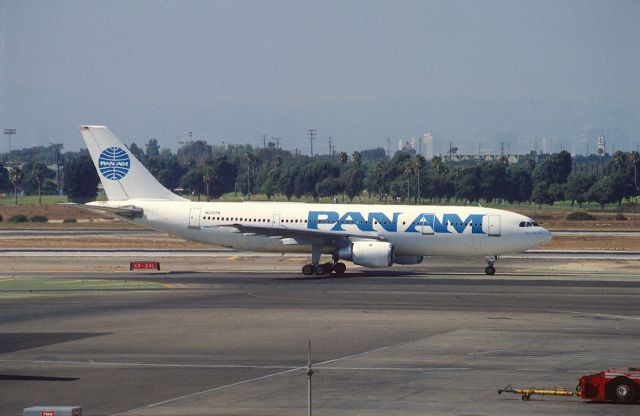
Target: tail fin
{"x":122,"y":175}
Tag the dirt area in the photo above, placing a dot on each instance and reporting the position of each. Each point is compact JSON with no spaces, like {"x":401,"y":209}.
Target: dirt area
{"x":109,"y":241}
{"x":556,"y":220}
{"x":593,"y":243}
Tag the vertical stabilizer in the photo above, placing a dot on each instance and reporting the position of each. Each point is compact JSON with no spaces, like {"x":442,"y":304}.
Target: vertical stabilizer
{"x":122,"y":175}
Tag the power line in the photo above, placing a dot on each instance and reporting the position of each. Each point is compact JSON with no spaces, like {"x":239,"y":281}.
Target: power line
{"x":312,"y":134}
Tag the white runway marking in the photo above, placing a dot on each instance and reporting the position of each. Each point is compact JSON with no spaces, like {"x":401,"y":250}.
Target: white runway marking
{"x":279,"y":373}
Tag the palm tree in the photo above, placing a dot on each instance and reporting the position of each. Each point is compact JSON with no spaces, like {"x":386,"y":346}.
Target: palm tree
{"x":344,"y":158}
{"x":251,"y":160}
{"x":634,"y":157}
{"x":16,"y":178}
{"x":380,"y":170}
{"x":38,"y":173}
{"x":356,"y":159}
{"x":206,"y":178}
{"x":418,"y":164}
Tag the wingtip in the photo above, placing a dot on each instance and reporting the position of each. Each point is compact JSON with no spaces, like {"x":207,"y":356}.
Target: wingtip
{"x":85,"y":127}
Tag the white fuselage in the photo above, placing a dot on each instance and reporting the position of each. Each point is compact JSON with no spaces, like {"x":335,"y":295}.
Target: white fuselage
{"x":413,"y":230}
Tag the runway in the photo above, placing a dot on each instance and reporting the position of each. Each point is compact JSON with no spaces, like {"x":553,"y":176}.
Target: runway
{"x":399,"y":342}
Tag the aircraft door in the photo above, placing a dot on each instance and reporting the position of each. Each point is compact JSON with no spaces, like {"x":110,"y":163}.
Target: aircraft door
{"x":494,"y":225}
{"x":194,"y":219}
{"x":277,"y":223}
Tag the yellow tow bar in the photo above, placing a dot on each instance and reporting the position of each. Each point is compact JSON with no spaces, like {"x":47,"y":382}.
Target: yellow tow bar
{"x":527,"y":393}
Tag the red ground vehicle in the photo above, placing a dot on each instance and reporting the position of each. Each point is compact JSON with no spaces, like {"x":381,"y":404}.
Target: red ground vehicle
{"x":618,"y":385}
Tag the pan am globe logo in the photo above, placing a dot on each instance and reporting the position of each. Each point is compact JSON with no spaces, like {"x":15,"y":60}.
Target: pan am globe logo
{"x":114,"y":163}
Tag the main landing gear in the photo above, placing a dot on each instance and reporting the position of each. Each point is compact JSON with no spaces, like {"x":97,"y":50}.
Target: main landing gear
{"x":325,"y":268}
{"x":490,"y":270}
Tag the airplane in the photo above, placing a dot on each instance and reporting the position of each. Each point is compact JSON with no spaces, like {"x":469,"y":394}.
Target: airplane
{"x":374,"y":236}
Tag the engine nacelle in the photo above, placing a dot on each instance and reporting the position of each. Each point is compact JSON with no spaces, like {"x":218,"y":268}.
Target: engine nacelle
{"x":408,"y":259}
{"x":368,"y":253}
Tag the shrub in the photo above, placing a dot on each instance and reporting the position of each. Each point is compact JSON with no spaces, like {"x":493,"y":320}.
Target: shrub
{"x":620,"y":217}
{"x":39,"y":218}
{"x":580,"y":216}
{"x":69,"y":220}
{"x":18,"y":218}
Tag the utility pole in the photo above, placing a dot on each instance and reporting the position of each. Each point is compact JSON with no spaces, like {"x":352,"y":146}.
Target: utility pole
{"x":330,"y":148}
{"x":388,"y":147}
{"x":501,"y":148}
{"x":420,"y":145}
{"x":312,"y":134}
{"x":309,"y":374}
{"x":264,"y":141}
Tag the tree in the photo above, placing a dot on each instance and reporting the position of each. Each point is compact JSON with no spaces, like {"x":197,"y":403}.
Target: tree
{"x":469,"y":185}
{"x":356,"y":159}
{"x":137,"y":152}
{"x":81,"y":179}
{"x":554,"y":169}
{"x":494,"y":181}
{"x":418,"y":165}
{"x":354,"y":182}
{"x":520,"y":185}
{"x":38,"y":172}
{"x":541,"y":195}
{"x":577,"y":188}
{"x":5,"y":182}
{"x":344,"y":158}
{"x":152,"y":148}
{"x":330,"y":186}
{"x":634,"y":158}
{"x":287,"y":182}
{"x":15,"y":177}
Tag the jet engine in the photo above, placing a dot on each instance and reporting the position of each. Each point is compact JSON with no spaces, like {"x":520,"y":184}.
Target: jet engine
{"x":368,"y":253}
{"x":408,"y":259}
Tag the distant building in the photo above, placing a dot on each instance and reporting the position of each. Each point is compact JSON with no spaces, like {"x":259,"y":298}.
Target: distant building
{"x":428,"y":143}
{"x":601,"y":146}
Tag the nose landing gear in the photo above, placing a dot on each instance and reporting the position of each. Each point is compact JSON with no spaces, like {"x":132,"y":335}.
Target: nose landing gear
{"x":490,"y":270}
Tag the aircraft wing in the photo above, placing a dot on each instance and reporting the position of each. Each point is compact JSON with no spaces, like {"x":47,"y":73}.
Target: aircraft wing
{"x":291,"y":236}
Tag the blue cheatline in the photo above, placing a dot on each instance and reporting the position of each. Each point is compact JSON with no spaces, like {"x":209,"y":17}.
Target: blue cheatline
{"x":114,"y":163}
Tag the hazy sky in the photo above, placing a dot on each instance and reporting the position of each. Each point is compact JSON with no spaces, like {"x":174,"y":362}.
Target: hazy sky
{"x":359,"y":71}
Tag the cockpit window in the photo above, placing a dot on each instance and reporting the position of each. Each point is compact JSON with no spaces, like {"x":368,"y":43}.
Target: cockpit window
{"x":522,"y":224}
{"x":535,"y":224}
{"x":529,"y":224}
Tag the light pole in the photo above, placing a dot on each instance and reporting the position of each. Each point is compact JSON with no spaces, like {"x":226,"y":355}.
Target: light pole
{"x":309,"y":374}
{"x":9,"y":132}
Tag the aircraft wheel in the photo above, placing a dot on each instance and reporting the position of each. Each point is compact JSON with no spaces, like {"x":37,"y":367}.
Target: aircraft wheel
{"x":320,"y":269}
{"x":328,"y":268}
{"x":339,"y":268}
{"x":307,"y":269}
{"x":490,"y":270}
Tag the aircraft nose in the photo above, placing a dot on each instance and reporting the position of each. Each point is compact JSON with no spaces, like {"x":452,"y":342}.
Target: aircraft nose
{"x":546,"y":236}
